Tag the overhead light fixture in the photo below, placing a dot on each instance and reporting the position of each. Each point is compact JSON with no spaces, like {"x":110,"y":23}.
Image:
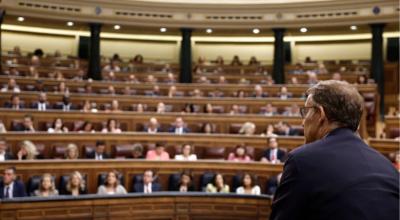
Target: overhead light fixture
{"x":163,"y":29}
{"x":117,"y":27}
{"x":353,"y":27}
{"x":209,"y":30}
{"x":70,"y":23}
{"x":303,"y":30}
{"x":21,"y":19}
{"x":256,"y":31}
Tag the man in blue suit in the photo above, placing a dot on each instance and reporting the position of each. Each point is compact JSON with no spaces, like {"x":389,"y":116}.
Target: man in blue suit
{"x":335,"y":175}
{"x":148,"y":185}
{"x":10,"y":187}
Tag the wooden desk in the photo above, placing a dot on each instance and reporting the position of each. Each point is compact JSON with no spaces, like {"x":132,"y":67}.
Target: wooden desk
{"x":385,"y":146}
{"x":139,"y":206}
{"x":129,"y":168}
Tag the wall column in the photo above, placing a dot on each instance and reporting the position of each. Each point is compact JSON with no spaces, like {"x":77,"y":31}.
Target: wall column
{"x":377,"y":71}
{"x":94,"y":69}
{"x":279,"y":56}
{"x":185,"y":75}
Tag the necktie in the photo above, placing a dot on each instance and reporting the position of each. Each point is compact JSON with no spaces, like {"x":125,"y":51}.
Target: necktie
{"x":7,"y":195}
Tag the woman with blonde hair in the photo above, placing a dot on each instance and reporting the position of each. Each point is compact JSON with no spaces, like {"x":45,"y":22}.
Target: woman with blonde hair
{"x":27,"y":151}
{"x":248,"y":128}
{"x":71,"y":153}
{"x":47,"y":186}
{"x":76,"y":185}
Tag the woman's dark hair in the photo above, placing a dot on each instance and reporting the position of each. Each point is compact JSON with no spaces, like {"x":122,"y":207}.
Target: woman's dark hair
{"x":215,"y":178}
{"x":252,"y":177}
{"x":203,"y":127}
{"x":186,"y":173}
{"x":190,"y":106}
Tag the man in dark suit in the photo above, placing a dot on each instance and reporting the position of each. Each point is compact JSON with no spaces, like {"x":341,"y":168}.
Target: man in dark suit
{"x":273,"y":154}
{"x":10,"y":187}
{"x":42,"y":104}
{"x":15,"y":103}
{"x":26,"y":125}
{"x":4,"y":154}
{"x":179,"y":127}
{"x":284,"y":129}
{"x":99,"y":153}
{"x":335,"y":175}
{"x":147,"y":186}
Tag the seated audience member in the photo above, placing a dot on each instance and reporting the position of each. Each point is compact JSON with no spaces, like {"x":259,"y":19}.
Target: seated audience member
{"x":284,"y":94}
{"x":137,"y":152}
{"x":151,"y":79}
{"x":170,"y":78}
{"x":273,"y":154}
{"x":111,"y":186}
{"x":272,"y":184}
{"x":185,"y":183}
{"x":87,"y":126}
{"x":208,"y":108}
{"x":203,"y":80}
{"x":112,"y":67}
{"x":58,"y":127}
{"x":189,"y":108}
{"x":248,"y":185}
{"x":47,"y":187}
{"x":138,"y":59}
{"x":248,"y":128}
{"x":158,"y":154}
{"x":59,"y":76}
{"x":199,"y":69}
{"x":110,"y":76}
{"x":172,"y":91}
{"x":66,"y":105}
{"x":258,"y":92}
{"x":217,"y":93}
{"x":337,"y":76}
{"x":253,"y":61}
{"x":99,"y":153}
{"x":294,"y":81}
{"x":160,"y":107}
{"x":140,"y":108}
{"x":312,"y":78}
{"x":80,"y":75}
{"x":11,"y":86}
{"x":218,"y":185}
{"x":167,"y":68}
{"x":187,"y":153}
{"x":269,"y":110}
{"x":76,"y":185}
{"x":197,"y":93}
{"x":208,"y":128}
{"x":62,"y":89}
{"x":27,"y":151}
{"x":240,"y":94}
{"x":235,"y":110}
{"x":15,"y":103}
{"x":244,"y":81}
{"x":222,"y":80}
{"x":10,"y":187}
{"x":112,"y":127}
{"x":2,"y":128}
{"x":88,"y":88}
{"x":27,"y":124}
{"x":269,"y":81}
{"x":4,"y":153}
{"x":115,"y":106}
{"x":362,"y":79}
{"x":236,"y":61}
{"x":72,"y":152}
{"x":42,"y":104}
{"x":128,"y":91}
{"x":284,"y":129}
{"x":179,"y":127}
{"x":33,"y":72}
{"x":293,"y":111}
{"x":322,"y":69}
{"x":219,"y":61}
{"x":298,"y":69}
{"x":240,"y":154}
{"x":111,"y":90}
{"x":155,"y":92}
{"x":132,"y":79}
{"x":153,"y":126}
{"x":148,"y":185}
{"x":269,"y":131}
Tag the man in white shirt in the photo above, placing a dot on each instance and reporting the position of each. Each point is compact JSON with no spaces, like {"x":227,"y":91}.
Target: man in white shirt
{"x":179,"y":127}
{"x":147,"y":186}
{"x":4,"y":155}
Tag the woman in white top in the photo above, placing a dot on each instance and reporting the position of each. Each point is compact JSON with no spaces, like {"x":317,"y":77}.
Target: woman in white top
{"x":58,"y":127}
{"x":248,"y":185}
{"x":112,"y":127}
{"x":186,"y":153}
{"x":111,"y":185}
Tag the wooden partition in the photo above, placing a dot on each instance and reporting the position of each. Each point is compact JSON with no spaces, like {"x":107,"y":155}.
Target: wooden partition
{"x":133,"y":121}
{"x":92,"y":169}
{"x":188,"y":206}
{"x":385,"y":146}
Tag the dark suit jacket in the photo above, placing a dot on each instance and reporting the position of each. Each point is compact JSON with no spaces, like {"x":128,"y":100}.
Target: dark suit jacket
{"x":9,"y":105}
{"x":18,"y":190}
{"x":36,"y":104}
{"x":139,"y":188}
{"x":292,"y":132}
{"x":8,"y":156}
{"x":92,"y":155}
{"x":145,"y":129}
{"x":281,"y":154}
{"x":172,"y":130}
{"x":20,"y":127}
{"x":337,"y":177}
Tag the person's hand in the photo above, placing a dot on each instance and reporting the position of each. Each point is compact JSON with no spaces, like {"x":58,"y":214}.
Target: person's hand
{"x":20,"y":154}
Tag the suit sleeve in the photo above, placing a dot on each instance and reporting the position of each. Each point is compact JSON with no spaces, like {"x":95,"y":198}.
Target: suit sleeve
{"x":290,"y":198}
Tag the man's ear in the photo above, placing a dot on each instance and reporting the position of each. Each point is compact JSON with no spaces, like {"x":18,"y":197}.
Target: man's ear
{"x":322,"y":116}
